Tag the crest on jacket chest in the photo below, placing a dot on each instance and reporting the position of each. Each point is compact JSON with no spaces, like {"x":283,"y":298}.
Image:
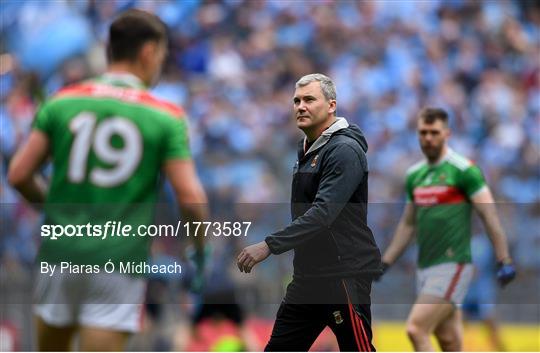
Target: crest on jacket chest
{"x":314,"y":161}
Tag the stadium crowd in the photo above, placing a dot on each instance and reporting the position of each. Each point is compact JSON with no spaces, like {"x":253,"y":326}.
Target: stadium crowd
{"x":233,"y":65}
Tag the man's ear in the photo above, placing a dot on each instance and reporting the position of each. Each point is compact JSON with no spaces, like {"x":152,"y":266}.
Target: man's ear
{"x":332,"y":106}
{"x":147,"y":52}
{"x":448,"y":132}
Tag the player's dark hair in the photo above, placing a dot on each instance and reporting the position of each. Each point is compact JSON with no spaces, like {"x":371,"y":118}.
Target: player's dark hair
{"x":430,"y":115}
{"x":130,"y":31}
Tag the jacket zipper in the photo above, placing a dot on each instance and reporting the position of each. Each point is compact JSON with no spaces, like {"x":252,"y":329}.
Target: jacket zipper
{"x":335,"y":244}
{"x":329,"y":228}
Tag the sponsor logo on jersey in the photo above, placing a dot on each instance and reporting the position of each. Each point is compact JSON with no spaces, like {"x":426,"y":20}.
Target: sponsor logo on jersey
{"x":437,"y":194}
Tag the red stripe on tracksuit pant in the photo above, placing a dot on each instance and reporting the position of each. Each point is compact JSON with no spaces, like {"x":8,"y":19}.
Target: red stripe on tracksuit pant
{"x":361,"y":347}
{"x":454,"y":282}
{"x":358,"y":327}
{"x":363,"y":332}
{"x":310,"y":305}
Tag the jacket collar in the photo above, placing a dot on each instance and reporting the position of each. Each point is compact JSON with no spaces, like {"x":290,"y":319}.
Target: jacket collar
{"x":339,"y":124}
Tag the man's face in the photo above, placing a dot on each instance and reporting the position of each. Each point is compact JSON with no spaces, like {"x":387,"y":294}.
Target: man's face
{"x":432,"y":138}
{"x":311,"y":109}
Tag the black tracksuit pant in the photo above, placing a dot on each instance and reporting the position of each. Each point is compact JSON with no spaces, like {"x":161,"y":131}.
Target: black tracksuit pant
{"x":311,"y":305}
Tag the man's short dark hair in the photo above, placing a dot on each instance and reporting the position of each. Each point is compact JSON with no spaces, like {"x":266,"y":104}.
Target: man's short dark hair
{"x":130,"y":31}
{"x":430,"y":115}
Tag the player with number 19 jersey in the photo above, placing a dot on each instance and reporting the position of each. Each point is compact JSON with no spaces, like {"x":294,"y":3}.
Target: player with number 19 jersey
{"x":441,"y":195}
{"x":108,"y":140}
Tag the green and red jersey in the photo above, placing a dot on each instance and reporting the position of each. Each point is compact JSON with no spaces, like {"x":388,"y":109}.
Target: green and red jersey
{"x":108,"y":140}
{"x":441,"y":194}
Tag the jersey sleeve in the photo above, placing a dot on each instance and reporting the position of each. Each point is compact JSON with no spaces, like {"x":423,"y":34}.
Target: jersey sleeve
{"x":472,"y":180}
{"x":409,"y":188}
{"x":177,"y":140}
{"x":42,"y":120}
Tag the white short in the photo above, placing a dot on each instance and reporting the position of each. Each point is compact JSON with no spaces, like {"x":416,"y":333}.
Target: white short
{"x":111,"y":301}
{"x":449,"y":281}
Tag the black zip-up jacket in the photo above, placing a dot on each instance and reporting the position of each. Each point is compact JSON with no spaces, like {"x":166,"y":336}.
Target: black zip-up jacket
{"x":329,"y":231}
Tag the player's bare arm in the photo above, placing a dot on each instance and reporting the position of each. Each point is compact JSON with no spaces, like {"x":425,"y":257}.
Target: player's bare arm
{"x":485,"y":206}
{"x":22,"y":174}
{"x":403,"y":235}
{"x":189,"y":193}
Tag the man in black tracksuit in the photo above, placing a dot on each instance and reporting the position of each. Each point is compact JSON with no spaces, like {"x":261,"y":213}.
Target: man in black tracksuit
{"x":335,"y":254}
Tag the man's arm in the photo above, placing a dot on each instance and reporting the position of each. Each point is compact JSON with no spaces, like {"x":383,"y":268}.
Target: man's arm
{"x":192,"y":201}
{"x":189,"y":194}
{"x":22,"y":173}
{"x":342,"y":172}
{"x":485,"y":206}
{"x":403,"y":235}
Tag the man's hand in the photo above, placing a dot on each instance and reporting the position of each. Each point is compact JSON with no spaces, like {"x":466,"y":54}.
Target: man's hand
{"x":506,"y":272}
{"x":252,"y":255}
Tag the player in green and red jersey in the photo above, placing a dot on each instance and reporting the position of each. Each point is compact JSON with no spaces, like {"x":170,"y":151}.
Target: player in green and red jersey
{"x":441,"y":192}
{"x":109,"y":140}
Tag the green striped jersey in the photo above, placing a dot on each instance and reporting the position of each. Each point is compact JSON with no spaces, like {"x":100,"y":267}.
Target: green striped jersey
{"x":108,"y":140}
{"x":441,"y":195}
